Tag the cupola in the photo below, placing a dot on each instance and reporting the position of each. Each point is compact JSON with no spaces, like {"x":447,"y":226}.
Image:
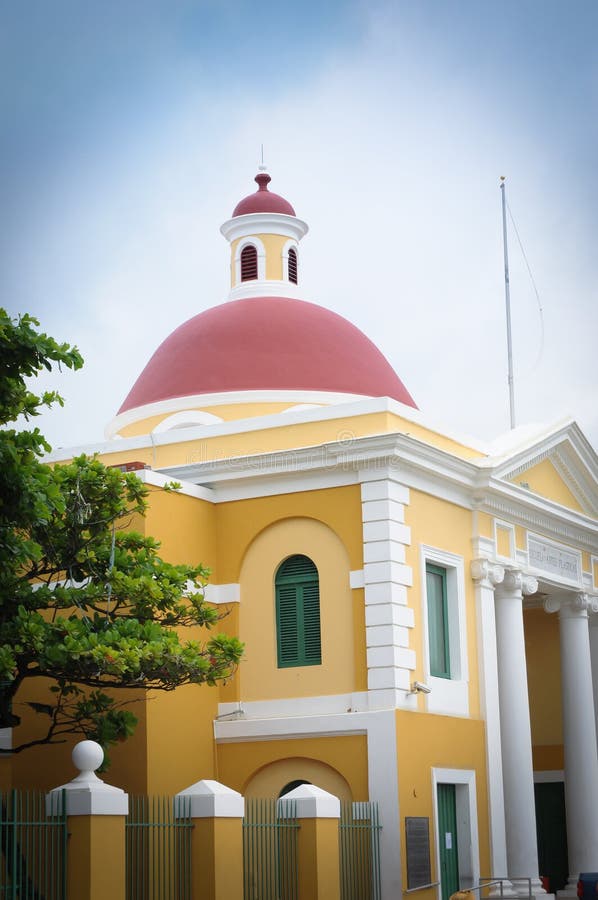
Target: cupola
{"x":264,"y":234}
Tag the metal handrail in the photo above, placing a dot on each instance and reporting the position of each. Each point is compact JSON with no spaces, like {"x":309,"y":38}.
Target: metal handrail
{"x":488,"y":881}
{"x":484,"y":883}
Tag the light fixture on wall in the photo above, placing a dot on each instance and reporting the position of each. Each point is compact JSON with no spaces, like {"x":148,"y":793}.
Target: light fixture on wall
{"x":417,"y":687}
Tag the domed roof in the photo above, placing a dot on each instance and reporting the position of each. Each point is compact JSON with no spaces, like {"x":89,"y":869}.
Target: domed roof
{"x":263,"y":201}
{"x":267,"y":344}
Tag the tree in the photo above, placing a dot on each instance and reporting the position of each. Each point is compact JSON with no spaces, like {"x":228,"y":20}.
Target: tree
{"x":84,"y":601}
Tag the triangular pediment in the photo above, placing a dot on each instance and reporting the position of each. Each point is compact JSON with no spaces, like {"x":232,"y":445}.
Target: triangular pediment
{"x":560,"y":466}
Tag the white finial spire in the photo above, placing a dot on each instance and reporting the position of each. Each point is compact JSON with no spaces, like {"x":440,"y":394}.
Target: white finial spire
{"x":262,"y":167}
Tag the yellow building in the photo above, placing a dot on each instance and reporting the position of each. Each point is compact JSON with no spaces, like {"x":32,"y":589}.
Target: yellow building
{"x":419,"y":611}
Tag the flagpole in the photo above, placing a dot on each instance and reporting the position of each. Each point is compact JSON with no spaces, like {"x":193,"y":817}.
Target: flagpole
{"x":508,"y":304}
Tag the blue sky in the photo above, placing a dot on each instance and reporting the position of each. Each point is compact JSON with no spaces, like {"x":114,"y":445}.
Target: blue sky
{"x":130,"y":130}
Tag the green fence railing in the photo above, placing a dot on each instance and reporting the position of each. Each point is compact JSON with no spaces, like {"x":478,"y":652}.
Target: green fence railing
{"x":270,"y":850}
{"x":158,"y":849}
{"x":34,"y":848}
{"x":359,"y":838}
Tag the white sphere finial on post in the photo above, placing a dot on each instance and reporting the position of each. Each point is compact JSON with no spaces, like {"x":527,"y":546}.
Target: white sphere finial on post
{"x":86,"y":794}
{"x":87,"y":756}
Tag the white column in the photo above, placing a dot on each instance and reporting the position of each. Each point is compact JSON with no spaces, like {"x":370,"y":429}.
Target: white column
{"x":579,"y":735}
{"x":594,"y":657}
{"x":487,"y":575}
{"x":515,"y":730}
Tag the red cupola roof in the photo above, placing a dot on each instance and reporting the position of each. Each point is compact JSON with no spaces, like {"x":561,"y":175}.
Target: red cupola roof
{"x":266,"y":344}
{"x":263,"y":201}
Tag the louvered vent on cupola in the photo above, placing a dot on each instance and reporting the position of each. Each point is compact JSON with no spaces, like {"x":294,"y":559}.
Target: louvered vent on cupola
{"x":298,"y":613}
{"x":248,"y":263}
{"x":293,"y":266}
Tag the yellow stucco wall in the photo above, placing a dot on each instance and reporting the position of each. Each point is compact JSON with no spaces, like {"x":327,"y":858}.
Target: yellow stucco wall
{"x":543,"y":479}
{"x":259,"y":676}
{"x":543,"y":658}
{"x":306,"y":434}
{"x":444,"y":526}
{"x":273,"y":245}
{"x":424,"y":742}
{"x":253,"y":765}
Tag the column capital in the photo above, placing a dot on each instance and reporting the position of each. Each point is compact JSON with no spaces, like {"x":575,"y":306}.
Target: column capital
{"x":518,"y":583}
{"x":485,"y":570}
{"x":572,"y":604}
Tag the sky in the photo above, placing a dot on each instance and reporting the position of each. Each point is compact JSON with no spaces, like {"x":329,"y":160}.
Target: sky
{"x":131,"y":128}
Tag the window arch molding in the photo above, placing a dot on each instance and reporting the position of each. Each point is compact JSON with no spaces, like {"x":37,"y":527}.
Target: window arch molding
{"x":297,"y":595}
{"x":261,"y":258}
{"x":290,"y":245}
{"x":185,"y":419}
{"x":259,"y":558}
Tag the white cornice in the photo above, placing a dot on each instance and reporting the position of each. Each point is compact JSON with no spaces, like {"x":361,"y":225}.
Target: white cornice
{"x":264,"y":223}
{"x":241,"y":426}
{"x":415,"y":463}
{"x":265,"y":287}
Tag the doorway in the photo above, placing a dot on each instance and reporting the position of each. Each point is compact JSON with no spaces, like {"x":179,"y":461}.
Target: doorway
{"x":552,"y":832}
{"x":448,"y":847}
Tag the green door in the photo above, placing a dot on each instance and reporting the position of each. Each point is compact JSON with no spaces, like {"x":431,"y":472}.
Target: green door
{"x":447,"y":840}
{"x":552,"y":832}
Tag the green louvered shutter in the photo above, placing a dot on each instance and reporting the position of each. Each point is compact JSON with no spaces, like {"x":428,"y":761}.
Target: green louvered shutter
{"x":298,"y":613}
{"x":438,"y":631}
{"x":311,"y":624}
{"x":287,"y":625}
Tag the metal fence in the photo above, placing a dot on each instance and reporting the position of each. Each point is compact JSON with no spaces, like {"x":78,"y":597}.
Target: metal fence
{"x":359,"y":835}
{"x":158,"y":849}
{"x":270,"y":850}
{"x":34,"y":847}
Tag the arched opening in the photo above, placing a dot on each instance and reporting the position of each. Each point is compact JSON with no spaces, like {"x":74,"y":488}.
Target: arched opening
{"x":248,"y":263}
{"x":293,"y":265}
{"x":291,"y":786}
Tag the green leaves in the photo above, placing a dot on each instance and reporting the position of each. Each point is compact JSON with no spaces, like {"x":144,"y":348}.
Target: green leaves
{"x":85,"y":601}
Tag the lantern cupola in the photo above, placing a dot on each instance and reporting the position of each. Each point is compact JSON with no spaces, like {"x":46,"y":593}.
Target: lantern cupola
{"x":264,"y":234}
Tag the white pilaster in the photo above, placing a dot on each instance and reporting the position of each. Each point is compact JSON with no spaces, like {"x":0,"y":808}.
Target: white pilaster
{"x":487,"y":575}
{"x":386,"y":578}
{"x":579,"y":734}
{"x":515,"y":730}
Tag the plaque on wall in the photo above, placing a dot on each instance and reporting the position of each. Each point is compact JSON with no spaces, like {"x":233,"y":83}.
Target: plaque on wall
{"x":417,"y":834}
{"x":547,"y":556}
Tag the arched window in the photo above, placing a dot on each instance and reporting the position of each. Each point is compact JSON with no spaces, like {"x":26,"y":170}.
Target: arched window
{"x":298,"y":613}
{"x":293,"y":265}
{"x":248,"y":263}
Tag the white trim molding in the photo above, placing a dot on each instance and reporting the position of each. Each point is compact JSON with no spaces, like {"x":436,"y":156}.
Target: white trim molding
{"x":264,"y":223}
{"x":251,"y":241}
{"x":186,"y":418}
{"x":285,"y":259}
{"x":222,"y":593}
{"x":450,"y":696}
{"x":548,"y":776}
{"x":468,"y":846}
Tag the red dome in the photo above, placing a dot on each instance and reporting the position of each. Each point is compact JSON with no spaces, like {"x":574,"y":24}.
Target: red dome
{"x":267,"y":344}
{"x":263,"y":201}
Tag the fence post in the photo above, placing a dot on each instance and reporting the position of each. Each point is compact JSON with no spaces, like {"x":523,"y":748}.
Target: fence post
{"x":318,"y":841}
{"x":96,"y":825}
{"x":216,"y":841}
